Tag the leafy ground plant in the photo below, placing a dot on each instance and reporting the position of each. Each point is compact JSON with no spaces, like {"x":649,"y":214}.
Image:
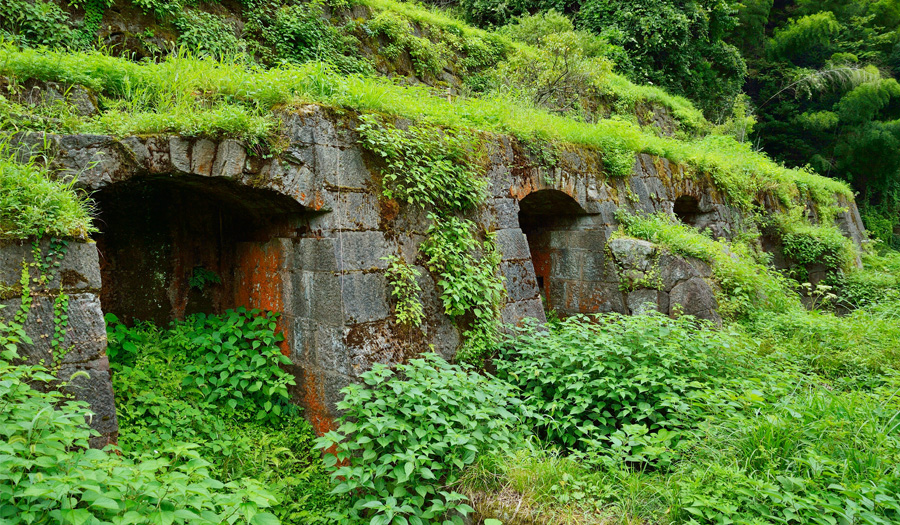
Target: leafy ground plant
{"x":622,"y":387}
{"x":214,"y":382}
{"x":48,"y":473}
{"x":407,"y":433}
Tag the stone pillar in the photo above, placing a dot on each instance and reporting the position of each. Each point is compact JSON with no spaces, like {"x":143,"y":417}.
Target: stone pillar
{"x":56,"y":271}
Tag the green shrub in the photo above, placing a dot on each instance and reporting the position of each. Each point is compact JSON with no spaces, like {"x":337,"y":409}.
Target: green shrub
{"x":618,"y":386}
{"x":486,"y":13}
{"x":231,"y":359}
{"x":673,"y":43}
{"x":877,"y":281}
{"x":36,"y":23}
{"x":807,"y":244}
{"x":207,"y":34}
{"x":563,"y":74}
{"x":796,"y":454}
{"x":406,"y":435}
{"x":48,"y":474}
{"x":430,"y":168}
{"x":158,"y":403}
{"x":34,"y":204}
{"x":858,"y":348}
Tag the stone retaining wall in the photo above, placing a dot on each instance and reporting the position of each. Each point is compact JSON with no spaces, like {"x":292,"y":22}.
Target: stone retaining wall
{"x":317,"y":229}
{"x":71,"y":269}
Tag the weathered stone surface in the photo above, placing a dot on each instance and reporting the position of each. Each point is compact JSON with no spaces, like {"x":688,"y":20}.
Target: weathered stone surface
{"x":230,"y":158}
{"x":674,"y":269}
{"x":203,"y":154}
{"x":66,"y":336}
{"x":363,"y":250}
{"x":39,"y":93}
{"x":643,"y":301}
{"x":365,"y":297}
{"x":633,"y":253}
{"x":317,"y":254}
{"x":95,"y":390}
{"x":512,"y":244}
{"x":331,"y":352}
{"x":77,"y":270}
{"x":696,"y":298}
{"x":504,"y":213}
{"x":520,"y":280}
{"x":322,"y":292}
{"x":85,"y":335}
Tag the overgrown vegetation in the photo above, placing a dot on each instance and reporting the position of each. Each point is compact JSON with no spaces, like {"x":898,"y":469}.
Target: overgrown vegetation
{"x":34,"y":204}
{"x":407,"y":434}
{"x":49,"y":475}
{"x":205,"y":97}
{"x":213,"y":383}
{"x":787,"y":413}
{"x":431,"y":169}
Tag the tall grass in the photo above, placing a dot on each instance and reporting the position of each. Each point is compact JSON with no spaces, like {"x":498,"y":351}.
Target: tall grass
{"x":202,"y":96}
{"x":33,"y":204}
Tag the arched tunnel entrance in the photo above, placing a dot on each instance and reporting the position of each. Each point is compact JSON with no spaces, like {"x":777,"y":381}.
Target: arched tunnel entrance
{"x":170,"y":247}
{"x":568,"y":255}
{"x":687,"y":209}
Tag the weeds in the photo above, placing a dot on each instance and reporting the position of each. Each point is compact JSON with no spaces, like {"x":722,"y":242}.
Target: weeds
{"x":34,"y":204}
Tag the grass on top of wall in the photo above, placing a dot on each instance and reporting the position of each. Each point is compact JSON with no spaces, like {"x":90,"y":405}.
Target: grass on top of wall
{"x":33,"y":204}
{"x":205,"y":97}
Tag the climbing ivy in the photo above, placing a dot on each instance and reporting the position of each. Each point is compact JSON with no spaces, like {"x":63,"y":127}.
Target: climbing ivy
{"x":468,"y":279}
{"x":433,"y":169}
{"x":425,"y":166}
{"x":406,"y":290}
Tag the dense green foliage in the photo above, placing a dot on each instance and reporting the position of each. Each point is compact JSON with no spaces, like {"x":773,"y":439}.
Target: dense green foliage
{"x":49,"y":475}
{"x":677,"y":44}
{"x":823,"y":80}
{"x":33,"y":203}
{"x":618,"y":386}
{"x":204,"y":97}
{"x":214,"y":382}
{"x":407,"y":434}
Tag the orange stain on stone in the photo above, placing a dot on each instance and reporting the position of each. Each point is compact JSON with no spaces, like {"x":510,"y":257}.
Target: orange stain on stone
{"x":260,"y":283}
{"x":316,"y":412}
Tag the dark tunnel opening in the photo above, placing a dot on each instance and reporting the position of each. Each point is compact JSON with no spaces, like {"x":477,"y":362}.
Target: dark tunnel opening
{"x":543,"y":217}
{"x":173,"y":247}
{"x":687,"y":209}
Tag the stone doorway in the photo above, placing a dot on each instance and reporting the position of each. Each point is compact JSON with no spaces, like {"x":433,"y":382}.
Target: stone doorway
{"x":170,"y":247}
{"x":568,"y":253}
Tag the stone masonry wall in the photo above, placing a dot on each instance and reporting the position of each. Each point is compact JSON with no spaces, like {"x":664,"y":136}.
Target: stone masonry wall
{"x":76,"y":273}
{"x":324,"y":269}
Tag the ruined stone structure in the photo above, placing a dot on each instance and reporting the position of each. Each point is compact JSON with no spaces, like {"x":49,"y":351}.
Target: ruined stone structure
{"x":305,"y":234}
{"x":71,"y":269}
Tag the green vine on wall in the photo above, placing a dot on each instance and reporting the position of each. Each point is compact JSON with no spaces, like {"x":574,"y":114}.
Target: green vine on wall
{"x":90,"y":26}
{"x":406,"y":291}
{"x":433,"y":169}
{"x":13,"y":333}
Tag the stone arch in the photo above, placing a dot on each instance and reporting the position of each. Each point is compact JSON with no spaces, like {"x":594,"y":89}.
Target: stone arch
{"x":687,"y":209}
{"x":165,"y":241}
{"x":567,"y":252}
